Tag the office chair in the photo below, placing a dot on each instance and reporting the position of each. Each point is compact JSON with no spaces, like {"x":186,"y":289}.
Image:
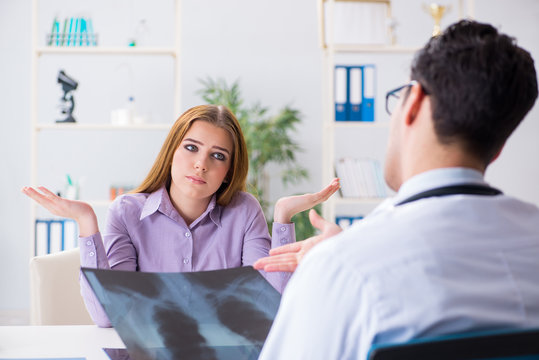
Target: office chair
{"x":519,"y":344}
{"x":55,"y":297}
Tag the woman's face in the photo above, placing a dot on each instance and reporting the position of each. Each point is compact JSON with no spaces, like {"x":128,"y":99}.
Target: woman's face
{"x":201,"y":163}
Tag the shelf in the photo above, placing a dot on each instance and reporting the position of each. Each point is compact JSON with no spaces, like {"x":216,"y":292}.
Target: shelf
{"x":355,"y":201}
{"x":358,"y":124}
{"x":392,"y":49}
{"x":98,"y":203}
{"x":101,"y":50}
{"x":77,"y":126}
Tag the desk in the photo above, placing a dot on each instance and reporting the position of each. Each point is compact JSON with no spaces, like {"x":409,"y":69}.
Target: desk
{"x":85,"y":341}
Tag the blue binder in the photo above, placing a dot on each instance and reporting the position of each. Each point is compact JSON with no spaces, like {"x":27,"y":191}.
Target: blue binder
{"x":369,"y":81}
{"x":53,"y":235}
{"x":341,"y":93}
{"x":346,"y":221}
{"x":355,"y":92}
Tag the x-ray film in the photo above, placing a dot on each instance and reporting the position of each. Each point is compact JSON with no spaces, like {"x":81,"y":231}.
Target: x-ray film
{"x":221,"y":314}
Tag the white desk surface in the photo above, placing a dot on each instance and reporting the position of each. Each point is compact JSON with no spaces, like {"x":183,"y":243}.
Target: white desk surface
{"x":83,"y":341}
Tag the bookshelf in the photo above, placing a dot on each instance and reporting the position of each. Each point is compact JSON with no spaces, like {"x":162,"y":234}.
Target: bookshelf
{"x":98,"y":50}
{"x":90,"y":128}
{"x":392,"y":61}
{"x":77,"y":126}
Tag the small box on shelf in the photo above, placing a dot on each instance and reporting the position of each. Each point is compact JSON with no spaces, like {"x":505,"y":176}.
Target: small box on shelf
{"x":117,"y":190}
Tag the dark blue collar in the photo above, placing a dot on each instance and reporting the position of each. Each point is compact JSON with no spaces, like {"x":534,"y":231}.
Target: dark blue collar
{"x":462,"y":189}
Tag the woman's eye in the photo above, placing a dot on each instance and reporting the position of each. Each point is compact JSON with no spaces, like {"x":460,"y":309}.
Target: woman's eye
{"x":219,"y":156}
{"x":190,"y":147}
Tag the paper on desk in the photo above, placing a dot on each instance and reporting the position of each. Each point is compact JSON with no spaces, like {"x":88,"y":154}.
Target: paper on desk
{"x":221,"y":314}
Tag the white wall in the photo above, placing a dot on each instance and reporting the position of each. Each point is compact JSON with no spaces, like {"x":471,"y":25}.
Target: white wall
{"x":270,"y":46}
{"x":517,"y":169}
{"x":14,"y":145}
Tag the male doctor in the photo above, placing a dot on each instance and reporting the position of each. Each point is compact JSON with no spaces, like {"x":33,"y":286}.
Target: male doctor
{"x":448,"y":253}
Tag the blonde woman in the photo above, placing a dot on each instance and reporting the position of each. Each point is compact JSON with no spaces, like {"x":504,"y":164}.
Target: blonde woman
{"x":190,"y":213}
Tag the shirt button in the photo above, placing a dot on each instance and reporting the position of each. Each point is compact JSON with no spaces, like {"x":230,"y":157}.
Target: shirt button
{"x":283,"y":228}
{"x":186,"y":261}
{"x":88,"y":243}
{"x":92,"y":253}
{"x":284,"y":241}
{"x":187,"y":234}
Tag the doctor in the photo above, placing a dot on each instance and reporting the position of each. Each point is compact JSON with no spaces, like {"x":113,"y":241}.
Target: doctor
{"x":448,"y":253}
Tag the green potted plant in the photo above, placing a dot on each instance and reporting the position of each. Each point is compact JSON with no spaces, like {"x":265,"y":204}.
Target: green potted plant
{"x":269,"y":140}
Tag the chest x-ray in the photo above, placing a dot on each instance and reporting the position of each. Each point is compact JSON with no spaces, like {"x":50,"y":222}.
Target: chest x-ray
{"x":221,"y":314}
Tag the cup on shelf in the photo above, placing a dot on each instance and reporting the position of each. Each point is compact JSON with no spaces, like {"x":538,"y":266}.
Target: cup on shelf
{"x":120,"y":117}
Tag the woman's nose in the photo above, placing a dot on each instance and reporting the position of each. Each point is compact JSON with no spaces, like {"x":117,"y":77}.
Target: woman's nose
{"x":200,"y":165}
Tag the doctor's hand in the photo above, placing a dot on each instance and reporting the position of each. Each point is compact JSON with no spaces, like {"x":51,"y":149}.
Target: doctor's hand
{"x":286,"y":207}
{"x":287,"y":257}
{"x":79,"y":211}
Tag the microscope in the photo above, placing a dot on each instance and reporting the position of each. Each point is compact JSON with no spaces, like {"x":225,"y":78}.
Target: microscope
{"x":67,"y":102}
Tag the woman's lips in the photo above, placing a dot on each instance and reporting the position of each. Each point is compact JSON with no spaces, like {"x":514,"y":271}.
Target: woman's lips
{"x":196,"y":179}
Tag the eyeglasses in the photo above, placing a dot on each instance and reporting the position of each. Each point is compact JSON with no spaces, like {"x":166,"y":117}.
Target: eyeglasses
{"x":393,"y":96}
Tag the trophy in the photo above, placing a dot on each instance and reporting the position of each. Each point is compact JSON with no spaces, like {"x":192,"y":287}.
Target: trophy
{"x":437,"y":11}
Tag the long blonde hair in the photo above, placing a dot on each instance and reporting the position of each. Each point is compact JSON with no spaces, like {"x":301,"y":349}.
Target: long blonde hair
{"x":219,"y":116}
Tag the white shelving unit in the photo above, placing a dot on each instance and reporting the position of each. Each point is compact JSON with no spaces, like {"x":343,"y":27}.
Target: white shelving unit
{"x":331,"y":127}
{"x":39,"y":126}
{"x":96,"y":50}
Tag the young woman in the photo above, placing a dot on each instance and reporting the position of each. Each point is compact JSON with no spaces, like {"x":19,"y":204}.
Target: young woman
{"x":191,"y":213}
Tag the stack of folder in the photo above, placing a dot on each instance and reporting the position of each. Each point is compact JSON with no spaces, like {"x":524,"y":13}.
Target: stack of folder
{"x":354,"y":92}
{"x":360,"y":178}
{"x":54,"y":235}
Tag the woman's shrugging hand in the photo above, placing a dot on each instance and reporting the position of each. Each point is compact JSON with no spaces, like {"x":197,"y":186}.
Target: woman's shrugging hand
{"x":79,"y":211}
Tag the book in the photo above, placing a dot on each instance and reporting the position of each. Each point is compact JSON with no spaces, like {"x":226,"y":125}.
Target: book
{"x":360,"y":178}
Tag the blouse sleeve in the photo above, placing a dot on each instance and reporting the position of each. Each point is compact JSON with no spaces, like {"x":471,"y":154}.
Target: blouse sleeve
{"x":257,"y":244}
{"x":115,"y":252}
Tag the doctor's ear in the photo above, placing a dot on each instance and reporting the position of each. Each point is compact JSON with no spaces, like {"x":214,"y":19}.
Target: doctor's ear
{"x":497,"y":154}
{"x":412,"y":102}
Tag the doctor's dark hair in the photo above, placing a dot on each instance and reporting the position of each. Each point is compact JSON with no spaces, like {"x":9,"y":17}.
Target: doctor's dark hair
{"x":480,"y":83}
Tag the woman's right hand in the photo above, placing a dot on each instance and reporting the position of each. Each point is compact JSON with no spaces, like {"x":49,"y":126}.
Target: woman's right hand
{"x":79,"y":211}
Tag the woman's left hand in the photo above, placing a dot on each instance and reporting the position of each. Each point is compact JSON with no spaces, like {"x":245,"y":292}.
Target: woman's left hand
{"x":287,"y":257}
{"x":286,"y":207}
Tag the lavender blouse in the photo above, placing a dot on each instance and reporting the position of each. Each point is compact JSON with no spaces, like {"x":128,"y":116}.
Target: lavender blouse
{"x":144,"y":232}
